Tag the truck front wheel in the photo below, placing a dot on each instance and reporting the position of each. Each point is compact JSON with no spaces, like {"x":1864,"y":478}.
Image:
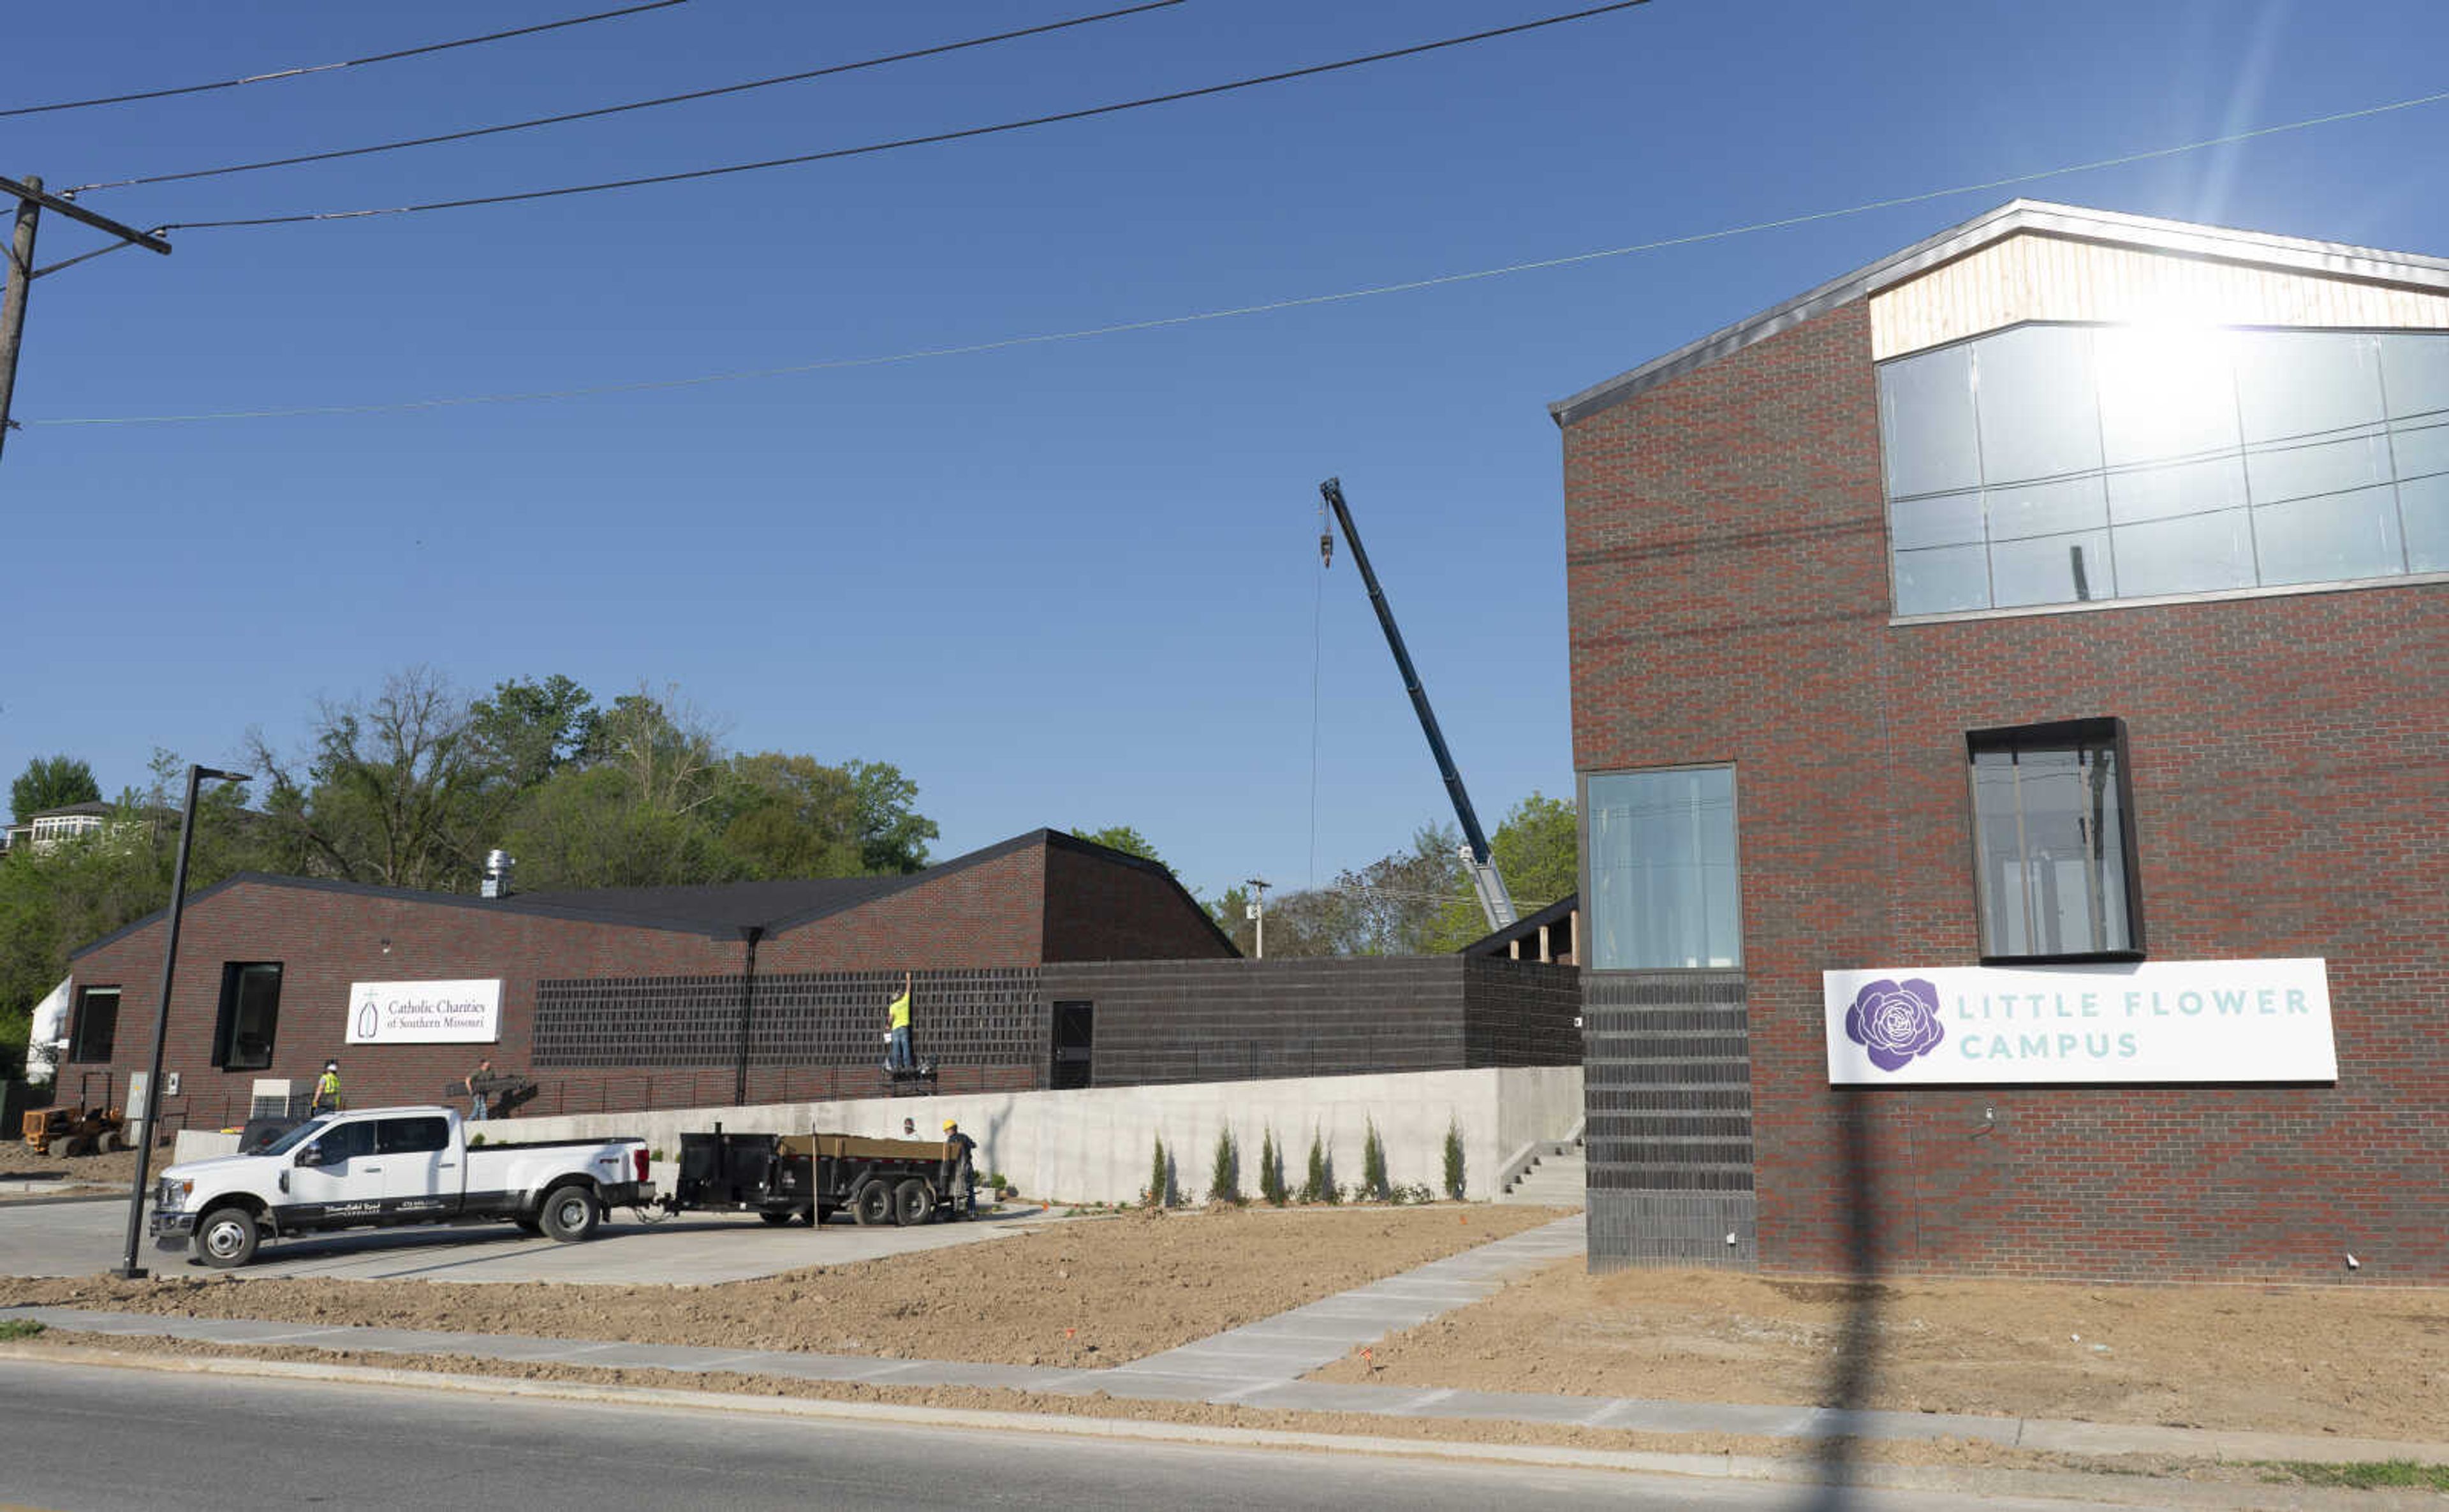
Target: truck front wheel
{"x":569,"y":1214}
{"x":226,"y":1237}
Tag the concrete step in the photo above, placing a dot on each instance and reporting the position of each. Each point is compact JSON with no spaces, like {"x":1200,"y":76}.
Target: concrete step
{"x":1557,"y":1177}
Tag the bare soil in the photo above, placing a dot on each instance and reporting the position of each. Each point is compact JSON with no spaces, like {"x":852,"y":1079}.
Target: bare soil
{"x":1082,"y":1292}
{"x":1945,"y":1451}
{"x":2364,"y":1363}
{"x":117,"y":1169}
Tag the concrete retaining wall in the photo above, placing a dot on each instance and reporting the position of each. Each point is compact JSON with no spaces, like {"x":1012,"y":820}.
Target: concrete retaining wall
{"x":1093,"y":1145}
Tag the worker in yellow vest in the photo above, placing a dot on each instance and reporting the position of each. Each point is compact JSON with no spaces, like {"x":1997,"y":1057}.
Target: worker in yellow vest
{"x":327,"y":1090}
{"x":897,"y":1015}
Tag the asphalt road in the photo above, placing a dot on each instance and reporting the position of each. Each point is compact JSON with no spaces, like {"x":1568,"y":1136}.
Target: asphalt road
{"x":93,"y":1438}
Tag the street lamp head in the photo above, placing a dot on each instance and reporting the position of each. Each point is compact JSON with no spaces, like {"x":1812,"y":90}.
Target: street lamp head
{"x":209,"y":774}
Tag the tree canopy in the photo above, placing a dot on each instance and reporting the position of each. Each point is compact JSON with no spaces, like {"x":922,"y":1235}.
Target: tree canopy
{"x":412,"y":786}
{"x":52,"y":782}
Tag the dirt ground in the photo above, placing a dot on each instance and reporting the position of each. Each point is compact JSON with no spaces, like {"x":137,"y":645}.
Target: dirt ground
{"x":1080,"y":1293}
{"x":1946,"y":1451}
{"x":2364,"y":1363}
{"x":105,"y":1170}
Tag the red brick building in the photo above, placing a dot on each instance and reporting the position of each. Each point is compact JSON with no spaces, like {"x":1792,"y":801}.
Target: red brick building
{"x":1047,"y":961}
{"x":624,"y":997}
{"x":2051,"y":613}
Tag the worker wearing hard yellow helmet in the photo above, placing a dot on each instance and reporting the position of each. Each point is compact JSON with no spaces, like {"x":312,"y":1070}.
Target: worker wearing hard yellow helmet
{"x":961,"y":1158}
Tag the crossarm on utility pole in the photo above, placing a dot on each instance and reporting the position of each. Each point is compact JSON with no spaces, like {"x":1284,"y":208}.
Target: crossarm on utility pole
{"x":31,"y":202}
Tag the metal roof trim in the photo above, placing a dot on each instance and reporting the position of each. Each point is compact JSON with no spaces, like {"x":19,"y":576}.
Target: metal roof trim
{"x":2335,"y":260}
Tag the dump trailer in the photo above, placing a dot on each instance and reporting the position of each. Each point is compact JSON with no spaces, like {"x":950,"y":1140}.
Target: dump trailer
{"x":811,"y":1177}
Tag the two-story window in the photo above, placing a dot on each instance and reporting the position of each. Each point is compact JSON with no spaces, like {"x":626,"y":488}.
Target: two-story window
{"x":2063,"y":464}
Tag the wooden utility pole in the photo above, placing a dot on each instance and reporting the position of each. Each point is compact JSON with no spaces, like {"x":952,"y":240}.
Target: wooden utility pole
{"x":31,"y":202}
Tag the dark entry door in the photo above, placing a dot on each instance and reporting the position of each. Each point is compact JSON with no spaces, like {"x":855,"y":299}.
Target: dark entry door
{"x":1075,"y":1028}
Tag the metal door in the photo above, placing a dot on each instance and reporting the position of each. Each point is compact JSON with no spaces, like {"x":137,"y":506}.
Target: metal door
{"x":1074,"y":1033}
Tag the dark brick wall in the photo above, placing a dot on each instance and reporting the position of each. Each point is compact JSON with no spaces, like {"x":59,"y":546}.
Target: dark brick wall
{"x":1221,"y":1021}
{"x":1666,"y":1087}
{"x":1520,"y":1013}
{"x":1215,"y":1021}
{"x":1099,"y":908}
{"x":1728,"y":601}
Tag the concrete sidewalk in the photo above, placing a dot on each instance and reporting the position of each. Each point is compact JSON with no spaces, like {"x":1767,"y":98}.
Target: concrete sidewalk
{"x":1260,"y":1366}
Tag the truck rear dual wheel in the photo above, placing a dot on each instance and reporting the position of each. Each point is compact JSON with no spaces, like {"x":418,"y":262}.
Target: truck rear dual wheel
{"x":226,"y":1239}
{"x":569,"y":1214}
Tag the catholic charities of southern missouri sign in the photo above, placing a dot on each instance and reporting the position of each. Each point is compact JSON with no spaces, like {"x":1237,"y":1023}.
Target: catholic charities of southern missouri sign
{"x":2177,"y":1021}
{"x":425,"y":1012}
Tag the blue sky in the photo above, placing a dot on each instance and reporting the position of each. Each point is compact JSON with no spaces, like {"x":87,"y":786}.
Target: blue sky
{"x":1066,"y":584}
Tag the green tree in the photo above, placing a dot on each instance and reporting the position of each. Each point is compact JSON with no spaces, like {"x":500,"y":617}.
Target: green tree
{"x":791,"y":816}
{"x":52,"y":782}
{"x":395,"y":789}
{"x":1126,"y":839}
{"x":1538,"y":853}
{"x":528,"y":730}
{"x":893,"y":835}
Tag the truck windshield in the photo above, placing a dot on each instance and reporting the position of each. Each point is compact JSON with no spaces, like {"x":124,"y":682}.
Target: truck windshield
{"x":295,"y":1138}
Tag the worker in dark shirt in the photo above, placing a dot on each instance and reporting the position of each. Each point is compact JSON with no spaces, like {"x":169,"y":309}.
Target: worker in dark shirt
{"x":963,"y":1185}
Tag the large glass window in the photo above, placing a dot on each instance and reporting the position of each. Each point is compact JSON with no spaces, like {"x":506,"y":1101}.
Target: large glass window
{"x":2059,"y":464}
{"x":250,"y":1012}
{"x":2054,"y":842}
{"x":97,"y":1024}
{"x":1663,"y":885}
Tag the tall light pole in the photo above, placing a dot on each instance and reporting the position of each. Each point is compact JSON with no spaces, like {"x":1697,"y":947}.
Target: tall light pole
{"x":1259,"y":912}
{"x":129,"y":1270}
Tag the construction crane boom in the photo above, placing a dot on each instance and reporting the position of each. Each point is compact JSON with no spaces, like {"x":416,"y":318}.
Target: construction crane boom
{"x":1495,"y":901}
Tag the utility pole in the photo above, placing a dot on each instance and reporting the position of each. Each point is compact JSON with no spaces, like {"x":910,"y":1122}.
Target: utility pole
{"x":31,"y":202}
{"x":1258,"y":913}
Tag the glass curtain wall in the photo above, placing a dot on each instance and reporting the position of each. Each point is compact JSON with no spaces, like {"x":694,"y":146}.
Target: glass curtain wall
{"x":2060,"y":464}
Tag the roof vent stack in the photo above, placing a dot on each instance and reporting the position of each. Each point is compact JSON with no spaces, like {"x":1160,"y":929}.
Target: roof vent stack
{"x":498,"y":866}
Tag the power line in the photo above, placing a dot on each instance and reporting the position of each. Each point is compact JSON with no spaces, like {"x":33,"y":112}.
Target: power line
{"x":932,"y":138}
{"x":1235,"y":312}
{"x":345,"y":63}
{"x":633,"y":104}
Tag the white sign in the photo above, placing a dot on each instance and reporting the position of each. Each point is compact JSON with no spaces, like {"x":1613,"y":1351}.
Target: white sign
{"x":425,"y":1012}
{"x":2154,"y":1020}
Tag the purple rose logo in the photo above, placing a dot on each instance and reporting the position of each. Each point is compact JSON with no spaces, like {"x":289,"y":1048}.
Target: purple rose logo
{"x":1896,"y":1021}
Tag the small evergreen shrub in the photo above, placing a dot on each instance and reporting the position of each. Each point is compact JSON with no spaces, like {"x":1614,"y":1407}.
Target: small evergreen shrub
{"x":1159,"y":1184}
{"x":1373,"y":1164}
{"x":1454,"y":1159}
{"x":1271,"y":1170}
{"x":1318,"y":1186}
{"x":1224,"y":1169}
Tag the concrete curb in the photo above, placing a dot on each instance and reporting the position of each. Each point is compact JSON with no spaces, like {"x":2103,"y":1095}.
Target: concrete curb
{"x":2073,"y":1485}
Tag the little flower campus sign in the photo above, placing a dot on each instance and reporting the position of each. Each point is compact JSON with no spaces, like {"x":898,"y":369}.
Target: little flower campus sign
{"x":425,"y":1012}
{"x":2182,"y":1020}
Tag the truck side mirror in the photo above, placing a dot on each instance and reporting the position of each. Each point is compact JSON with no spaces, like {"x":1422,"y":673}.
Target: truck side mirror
{"x":311,"y":1155}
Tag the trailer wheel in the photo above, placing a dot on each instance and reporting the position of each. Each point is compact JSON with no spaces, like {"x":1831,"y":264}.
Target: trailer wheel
{"x":226,"y":1237}
{"x":872,"y":1205}
{"x":777,"y":1217}
{"x":914,"y":1203}
{"x":569,"y":1214}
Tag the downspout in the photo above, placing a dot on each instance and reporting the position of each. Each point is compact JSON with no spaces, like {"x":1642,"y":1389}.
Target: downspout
{"x":749,"y":934}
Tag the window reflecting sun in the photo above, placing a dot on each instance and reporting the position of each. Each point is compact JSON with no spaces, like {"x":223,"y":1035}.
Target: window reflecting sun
{"x":2060,"y":464}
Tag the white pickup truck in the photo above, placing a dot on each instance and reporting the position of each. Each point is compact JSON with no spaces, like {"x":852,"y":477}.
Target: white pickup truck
{"x":387,"y":1166}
